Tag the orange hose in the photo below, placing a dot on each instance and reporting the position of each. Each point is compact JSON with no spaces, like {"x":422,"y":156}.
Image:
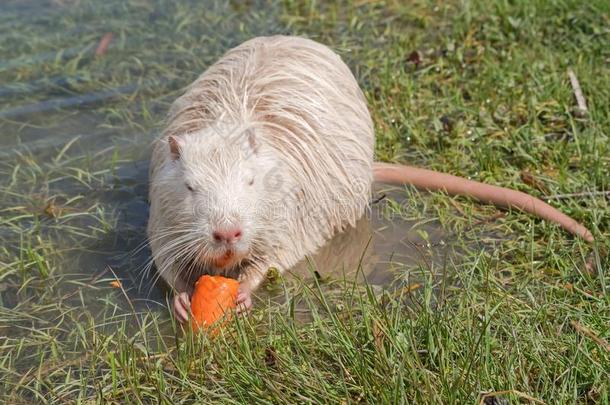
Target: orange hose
{"x":499,"y":196}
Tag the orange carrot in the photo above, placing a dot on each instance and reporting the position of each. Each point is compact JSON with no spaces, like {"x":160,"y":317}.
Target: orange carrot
{"x":214,"y":297}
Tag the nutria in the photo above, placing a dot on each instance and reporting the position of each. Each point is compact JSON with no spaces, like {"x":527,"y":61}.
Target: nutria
{"x":265,"y":157}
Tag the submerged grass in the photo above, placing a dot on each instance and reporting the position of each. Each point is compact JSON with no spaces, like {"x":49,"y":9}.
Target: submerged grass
{"x":474,"y":88}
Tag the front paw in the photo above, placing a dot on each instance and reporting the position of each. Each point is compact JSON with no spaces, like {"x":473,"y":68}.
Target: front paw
{"x":244,"y":300}
{"x":182,"y":307}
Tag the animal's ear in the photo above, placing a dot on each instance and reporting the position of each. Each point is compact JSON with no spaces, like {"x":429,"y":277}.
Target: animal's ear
{"x":175,"y":145}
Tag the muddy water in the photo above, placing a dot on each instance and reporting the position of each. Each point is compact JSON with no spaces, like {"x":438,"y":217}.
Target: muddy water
{"x":382,"y":247}
{"x":75,"y":131}
{"x":385,"y":251}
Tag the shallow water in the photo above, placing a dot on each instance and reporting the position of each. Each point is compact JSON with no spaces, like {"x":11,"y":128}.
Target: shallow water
{"x":76,"y":132}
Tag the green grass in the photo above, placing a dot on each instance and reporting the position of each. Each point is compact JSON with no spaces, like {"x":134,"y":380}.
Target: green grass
{"x":516,"y":313}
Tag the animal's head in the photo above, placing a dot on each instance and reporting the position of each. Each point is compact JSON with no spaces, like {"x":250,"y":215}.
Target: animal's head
{"x":225,"y":184}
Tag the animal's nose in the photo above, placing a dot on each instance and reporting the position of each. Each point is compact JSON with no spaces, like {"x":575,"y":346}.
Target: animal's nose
{"x":227,"y":235}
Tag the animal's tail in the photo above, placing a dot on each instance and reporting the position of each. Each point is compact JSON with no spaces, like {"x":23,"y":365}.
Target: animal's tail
{"x":486,"y":193}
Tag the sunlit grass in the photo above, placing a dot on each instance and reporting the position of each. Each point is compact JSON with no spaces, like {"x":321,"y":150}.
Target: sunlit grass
{"x":478,"y":89}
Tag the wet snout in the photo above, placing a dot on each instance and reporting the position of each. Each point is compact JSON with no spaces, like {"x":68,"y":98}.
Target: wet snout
{"x":228,"y":234}
{"x":229,"y":240}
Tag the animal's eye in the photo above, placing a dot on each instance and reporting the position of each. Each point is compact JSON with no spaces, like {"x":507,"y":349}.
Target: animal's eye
{"x":251,"y":181}
{"x":189,"y":187}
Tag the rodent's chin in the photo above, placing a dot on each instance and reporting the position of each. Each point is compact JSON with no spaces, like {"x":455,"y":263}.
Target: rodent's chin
{"x":228,"y":259}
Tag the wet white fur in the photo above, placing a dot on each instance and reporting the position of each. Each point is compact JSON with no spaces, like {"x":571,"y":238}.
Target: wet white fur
{"x":282,"y":113}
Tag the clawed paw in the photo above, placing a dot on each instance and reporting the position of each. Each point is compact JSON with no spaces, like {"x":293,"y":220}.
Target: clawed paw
{"x":244,"y":301}
{"x":182,"y":307}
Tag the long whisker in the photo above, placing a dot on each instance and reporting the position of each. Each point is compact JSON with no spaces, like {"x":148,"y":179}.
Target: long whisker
{"x":181,"y":251}
{"x":164,"y":251}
